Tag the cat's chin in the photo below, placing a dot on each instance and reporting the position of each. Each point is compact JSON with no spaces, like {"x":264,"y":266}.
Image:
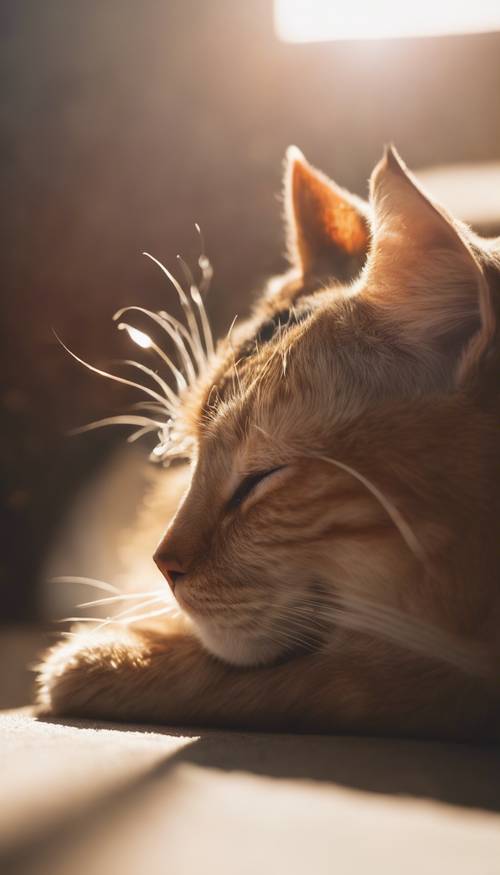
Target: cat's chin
{"x":238,"y":649}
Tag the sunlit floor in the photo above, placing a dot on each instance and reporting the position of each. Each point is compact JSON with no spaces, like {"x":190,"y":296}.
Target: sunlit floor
{"x":80,"y":798}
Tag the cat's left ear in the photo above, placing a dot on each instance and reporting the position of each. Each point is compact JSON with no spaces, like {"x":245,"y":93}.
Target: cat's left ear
{"x":328,"y":229}
{"x":425,"y":272}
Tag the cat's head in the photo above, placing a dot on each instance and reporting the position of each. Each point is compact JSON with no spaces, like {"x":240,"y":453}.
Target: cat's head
{"x":342,"y":435}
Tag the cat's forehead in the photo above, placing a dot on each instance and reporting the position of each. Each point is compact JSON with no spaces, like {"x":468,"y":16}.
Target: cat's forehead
{"x":307,"y":365}
{"x":264,"y":364}
{"x":271,"y":328}
{"x":258,"y":346}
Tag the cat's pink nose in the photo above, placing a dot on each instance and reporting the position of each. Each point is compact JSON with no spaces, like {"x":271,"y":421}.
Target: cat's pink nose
{"x":169,"y":567}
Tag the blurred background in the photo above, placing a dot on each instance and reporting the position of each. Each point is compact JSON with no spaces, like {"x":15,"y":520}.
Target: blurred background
{"x":124,"y":123}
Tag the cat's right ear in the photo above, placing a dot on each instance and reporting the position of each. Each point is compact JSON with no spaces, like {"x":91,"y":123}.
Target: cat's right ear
{"x":328,"y":229}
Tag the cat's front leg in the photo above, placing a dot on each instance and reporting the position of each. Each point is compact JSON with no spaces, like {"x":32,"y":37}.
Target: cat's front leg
{"x":167,"y":677}
{"x":118,"y":673}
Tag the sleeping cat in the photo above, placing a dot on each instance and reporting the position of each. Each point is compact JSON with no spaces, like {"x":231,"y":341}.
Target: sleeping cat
{"x":336,"y":553}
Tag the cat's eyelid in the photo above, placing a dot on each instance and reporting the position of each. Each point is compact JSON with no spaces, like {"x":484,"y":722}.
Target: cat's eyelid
{"x":249,"y":483}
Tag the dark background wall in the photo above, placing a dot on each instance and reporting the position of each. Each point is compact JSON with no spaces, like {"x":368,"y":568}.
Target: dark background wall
{"x":123,"y":123}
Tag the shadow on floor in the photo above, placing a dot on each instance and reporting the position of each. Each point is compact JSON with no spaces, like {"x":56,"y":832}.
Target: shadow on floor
{"x":457,"y":774}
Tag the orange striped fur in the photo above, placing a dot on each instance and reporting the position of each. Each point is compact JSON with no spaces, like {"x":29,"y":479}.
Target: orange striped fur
{"x":336,"y":553}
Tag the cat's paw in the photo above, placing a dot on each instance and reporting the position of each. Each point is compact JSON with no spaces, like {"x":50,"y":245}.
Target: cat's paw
{"x":85,"y":675}
{"x":121,"y":674}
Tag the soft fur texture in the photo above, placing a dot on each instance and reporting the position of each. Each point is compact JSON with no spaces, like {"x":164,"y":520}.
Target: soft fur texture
{"x":336,"y":554}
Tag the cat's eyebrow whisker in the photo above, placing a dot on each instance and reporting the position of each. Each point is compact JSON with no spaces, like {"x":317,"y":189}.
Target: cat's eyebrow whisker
{"x":119,"y":419}
{"x":151,"y":406}
{"x":181,"y":335}
{"x":230,"y":329}
{"x":171,"y":400}
{"x":204,"y":264}
{"x":205,"y":324}
{"x":184,"y":336}
{"x":86,"y":581}
{"x":146,"y":429}
{"x":109,"y":376}
{"x":178,"y":376}
{"x":198,"y":300}
{"x":188,"y":310}
{"x":175,"y":330}
{"x":235,"y":369}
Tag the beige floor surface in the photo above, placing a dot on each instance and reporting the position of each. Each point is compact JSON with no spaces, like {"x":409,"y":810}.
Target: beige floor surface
{"x":98,"y":798}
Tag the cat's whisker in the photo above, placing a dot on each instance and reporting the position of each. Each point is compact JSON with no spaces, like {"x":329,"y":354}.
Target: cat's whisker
{"x":149,"y":600}
{"x":302,"y":616}
{"x":204,"y":264}
{"x":299,"y":625}
{"x":235,"y":369}
{"x":119,"y":419}
{"x":86,"y":581}
{"x":289,"y":638}
{"x":183,"y":336}
{"x":422,"y":637}
{"x":119,"y":598}
{"x":175,"y":330}
{"x":123,"y":617}
{"x":109,"y":376}
{"x":380,"y":614}
{"x":198,"y":300}
{"x":288,"y":634}
{"x":147,"y":405}
{"x":230,"y":329}
{"x":171,"y":400}
{"x":409,"y":633}
{"x":205,"y":324}
{"x":148,"y":616}
{"x":151,"y":406}
{"x":80,"y":620}
{"x":257,"y":383}
{"x":188,"y":310}
{"x":147,"y":429}
{"x":396,"y":516}
{"x":178,"y":376}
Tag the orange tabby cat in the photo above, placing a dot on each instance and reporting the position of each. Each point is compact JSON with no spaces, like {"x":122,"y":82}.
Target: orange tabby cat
{"x":336,"y":555}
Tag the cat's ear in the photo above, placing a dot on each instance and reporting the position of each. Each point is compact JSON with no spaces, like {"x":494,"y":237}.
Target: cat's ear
{"x":328,"y":230}
{"x":424,"y":271}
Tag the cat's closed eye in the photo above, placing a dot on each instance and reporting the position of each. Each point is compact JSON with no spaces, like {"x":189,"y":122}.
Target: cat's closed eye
{"x":249,"y":484}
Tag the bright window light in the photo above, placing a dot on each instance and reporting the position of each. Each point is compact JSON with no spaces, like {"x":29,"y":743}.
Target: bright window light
{"x":300,"y":21}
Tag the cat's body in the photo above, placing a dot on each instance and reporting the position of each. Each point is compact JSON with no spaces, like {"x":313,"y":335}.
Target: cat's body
{"x":336,"y":555}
